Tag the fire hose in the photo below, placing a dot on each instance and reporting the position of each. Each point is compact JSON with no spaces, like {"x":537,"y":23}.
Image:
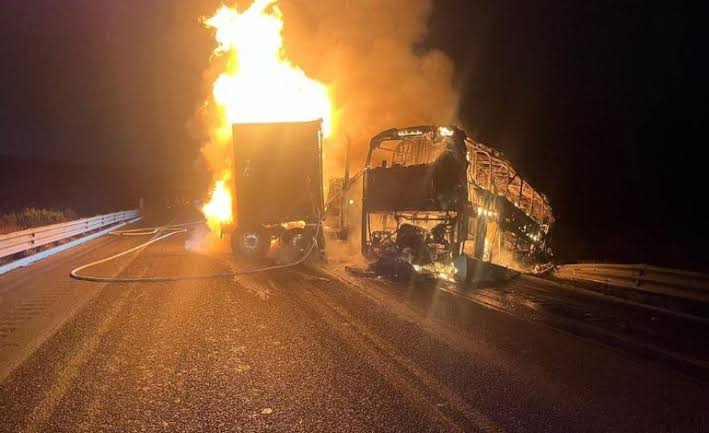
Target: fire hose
{"x":173,"y":230}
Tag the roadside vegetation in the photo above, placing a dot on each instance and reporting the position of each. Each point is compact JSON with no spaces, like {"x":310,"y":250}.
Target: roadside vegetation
{"x":33,"y":217}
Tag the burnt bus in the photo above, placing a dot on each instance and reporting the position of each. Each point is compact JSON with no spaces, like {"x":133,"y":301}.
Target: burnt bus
{"x":278,"y":186}
{"x":434,"y":195}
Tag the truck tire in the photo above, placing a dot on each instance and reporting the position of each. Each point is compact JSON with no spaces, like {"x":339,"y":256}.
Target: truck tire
{"x":252,"y":243}
{"x":296,"y":239}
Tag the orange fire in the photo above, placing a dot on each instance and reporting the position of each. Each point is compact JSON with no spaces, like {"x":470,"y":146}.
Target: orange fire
{"x":259,"y":84}
{"x":218,"y":210}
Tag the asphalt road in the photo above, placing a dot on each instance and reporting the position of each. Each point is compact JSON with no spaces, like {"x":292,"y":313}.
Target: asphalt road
{"x":312,"y":349}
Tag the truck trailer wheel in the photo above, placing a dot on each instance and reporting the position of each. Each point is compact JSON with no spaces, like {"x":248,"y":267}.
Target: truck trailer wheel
{"x":252,"y":243}
{"x":301,"y":239}
{"x":296,"y":239}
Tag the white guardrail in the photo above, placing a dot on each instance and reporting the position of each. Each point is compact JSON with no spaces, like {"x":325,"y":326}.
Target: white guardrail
{"x":29,"y":239}
{"x":663,"y":281}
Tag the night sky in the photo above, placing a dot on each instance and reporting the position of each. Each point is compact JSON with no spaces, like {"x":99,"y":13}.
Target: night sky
{"x":598,"y":103}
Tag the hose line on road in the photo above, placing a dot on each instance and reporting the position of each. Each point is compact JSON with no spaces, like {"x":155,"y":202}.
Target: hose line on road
{"x":175,"y":229}
{"x":153,"y":230}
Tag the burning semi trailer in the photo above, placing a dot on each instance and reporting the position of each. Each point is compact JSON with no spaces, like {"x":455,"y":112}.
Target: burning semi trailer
{"x":268,"y":190}
{"x":278,"y":183}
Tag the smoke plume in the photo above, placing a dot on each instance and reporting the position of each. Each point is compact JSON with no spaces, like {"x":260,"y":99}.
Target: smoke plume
{"x":367,"y":52}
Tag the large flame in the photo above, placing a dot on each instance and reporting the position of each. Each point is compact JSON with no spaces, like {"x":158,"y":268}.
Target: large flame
{"x":259,"y":84}
{"x":218,"y":210}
